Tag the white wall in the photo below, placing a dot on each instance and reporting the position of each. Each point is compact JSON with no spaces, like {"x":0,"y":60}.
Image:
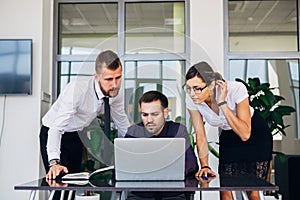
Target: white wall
{"x":207,"y":45}
{"x":207,"y":32}
{"x":19,"y":150}
{"x":46,"y":69}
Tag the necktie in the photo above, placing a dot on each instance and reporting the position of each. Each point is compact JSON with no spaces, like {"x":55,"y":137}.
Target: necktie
{"x":106,"y":117}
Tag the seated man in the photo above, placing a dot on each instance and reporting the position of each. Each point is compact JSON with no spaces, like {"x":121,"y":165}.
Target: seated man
{"x":154,"y":112}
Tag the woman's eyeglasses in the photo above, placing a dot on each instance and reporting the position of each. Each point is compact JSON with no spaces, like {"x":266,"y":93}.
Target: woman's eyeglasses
{"x":197,"y":90}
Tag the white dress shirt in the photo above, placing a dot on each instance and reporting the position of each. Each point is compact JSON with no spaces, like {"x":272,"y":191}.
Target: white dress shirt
{"x":237,"y":92}
{"x":76,"y":107}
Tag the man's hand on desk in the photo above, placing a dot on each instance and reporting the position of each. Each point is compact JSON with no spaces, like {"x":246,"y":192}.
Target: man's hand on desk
{"x":55,"y":170}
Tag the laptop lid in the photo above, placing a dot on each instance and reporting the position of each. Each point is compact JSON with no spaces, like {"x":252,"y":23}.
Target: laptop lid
{"x":149,"y":159}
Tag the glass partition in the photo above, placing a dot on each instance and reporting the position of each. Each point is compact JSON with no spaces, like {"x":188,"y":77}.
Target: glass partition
{"x":283,"y":75}
{"x":150,"y":38}
{"x":84,"y":28}
{"x":154,"y":27}
{"x":164,"y":76}
{"x":71,"y":70}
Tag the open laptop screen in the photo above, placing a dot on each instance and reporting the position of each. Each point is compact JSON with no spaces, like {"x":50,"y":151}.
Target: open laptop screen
{"x":138,"y":159}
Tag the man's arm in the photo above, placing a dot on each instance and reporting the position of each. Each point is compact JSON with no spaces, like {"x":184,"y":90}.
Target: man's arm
{"x":53,"y":143}
{"x":118,"y":114}
{"x":57,"y":118}
{"x":53,"y":151}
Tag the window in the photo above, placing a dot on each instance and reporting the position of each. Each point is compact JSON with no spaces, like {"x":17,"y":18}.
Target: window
{"x":262,"y":41}
{"x":85,"y":27}
{"x":262,"y":26}
{"x":147,"y":23}
{"x":149,"y":37}
{"x":163,"y":76}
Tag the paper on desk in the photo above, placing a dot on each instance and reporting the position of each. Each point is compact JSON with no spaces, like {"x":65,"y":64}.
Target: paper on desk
{"x":85,"y":175}
{"x":75,"y":182}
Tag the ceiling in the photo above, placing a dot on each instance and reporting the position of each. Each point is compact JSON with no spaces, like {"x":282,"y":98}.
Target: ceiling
{"x":103,"y":17}
{"x":263,"y":17}
{"x":245,"y":17}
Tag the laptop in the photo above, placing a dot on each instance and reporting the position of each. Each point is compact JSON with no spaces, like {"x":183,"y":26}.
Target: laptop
{"x":149,"y":159}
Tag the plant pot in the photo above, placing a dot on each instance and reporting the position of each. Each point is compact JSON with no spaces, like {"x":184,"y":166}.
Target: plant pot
{"x":81,"y":196}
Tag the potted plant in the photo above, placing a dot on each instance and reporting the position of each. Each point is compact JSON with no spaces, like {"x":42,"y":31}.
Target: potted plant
{"x":263,"y":100}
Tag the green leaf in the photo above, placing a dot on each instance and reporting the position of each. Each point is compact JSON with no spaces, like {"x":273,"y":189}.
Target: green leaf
{"x":190,"y":126}
{"x":265,"y":100}
{"x":277,"y":117}
{"x":95,"y":140}
{"x":178,"y":119}
{"x":213,"y":150}
{"x":284,"y":110}
{"x":271,"y":98}
{"x":240,"y":80}
{"x":256,"y":104}
{"x":265,"y":113}
{"x":278,"y":98}
{"x":254,"y":82}
{"x":193,"y":144}
{"x":265,"y":86}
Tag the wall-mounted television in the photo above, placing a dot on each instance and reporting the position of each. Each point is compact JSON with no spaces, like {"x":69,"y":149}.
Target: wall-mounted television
{"x":15,"y":67}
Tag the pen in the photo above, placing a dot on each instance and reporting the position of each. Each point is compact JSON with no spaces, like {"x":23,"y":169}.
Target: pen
{"x":205,"y":177}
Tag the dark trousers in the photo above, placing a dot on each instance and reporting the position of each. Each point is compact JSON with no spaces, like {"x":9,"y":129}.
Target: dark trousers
{"x":71,"y":152}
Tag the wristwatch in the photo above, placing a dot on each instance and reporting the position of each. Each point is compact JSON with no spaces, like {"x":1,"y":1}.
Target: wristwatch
{"x":54,"y":162}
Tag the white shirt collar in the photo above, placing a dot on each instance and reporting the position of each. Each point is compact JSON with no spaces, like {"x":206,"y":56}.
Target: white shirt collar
{"x":98,"y":91}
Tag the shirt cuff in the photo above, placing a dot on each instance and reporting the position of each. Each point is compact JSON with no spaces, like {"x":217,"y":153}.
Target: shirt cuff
{"x":53,"y":156}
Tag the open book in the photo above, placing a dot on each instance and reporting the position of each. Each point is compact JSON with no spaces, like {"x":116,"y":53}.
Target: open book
{"x":82,"y":178}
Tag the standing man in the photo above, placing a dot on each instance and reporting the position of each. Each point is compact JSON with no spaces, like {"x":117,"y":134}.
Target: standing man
{"x":76,"y":107}
{"x":154,"y":112}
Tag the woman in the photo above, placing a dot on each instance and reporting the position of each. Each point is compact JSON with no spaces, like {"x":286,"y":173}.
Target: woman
{"x":245,"y":140}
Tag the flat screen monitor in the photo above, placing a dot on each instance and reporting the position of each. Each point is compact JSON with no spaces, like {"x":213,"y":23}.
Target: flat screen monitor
{"x":15,"y":67}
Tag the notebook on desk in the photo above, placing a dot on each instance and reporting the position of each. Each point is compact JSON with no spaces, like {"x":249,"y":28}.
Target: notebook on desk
{"x":149,"y":159}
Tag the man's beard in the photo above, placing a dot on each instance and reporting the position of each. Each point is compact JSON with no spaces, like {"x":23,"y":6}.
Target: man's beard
{"x":156,"y":130}
{"x":110,"y":93}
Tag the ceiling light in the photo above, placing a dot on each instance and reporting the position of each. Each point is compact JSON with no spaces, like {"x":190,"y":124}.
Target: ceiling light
{"x":173,"y":21}
{"x":78,"y":22}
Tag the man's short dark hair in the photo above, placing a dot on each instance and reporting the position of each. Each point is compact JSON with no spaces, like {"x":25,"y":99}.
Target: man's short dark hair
{"x":108,"y":59}
{"x":151,"y":96}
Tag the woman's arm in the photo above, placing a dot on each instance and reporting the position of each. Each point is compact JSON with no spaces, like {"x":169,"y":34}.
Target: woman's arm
{"x":201,"y":141}
{"x":241,"y":122}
